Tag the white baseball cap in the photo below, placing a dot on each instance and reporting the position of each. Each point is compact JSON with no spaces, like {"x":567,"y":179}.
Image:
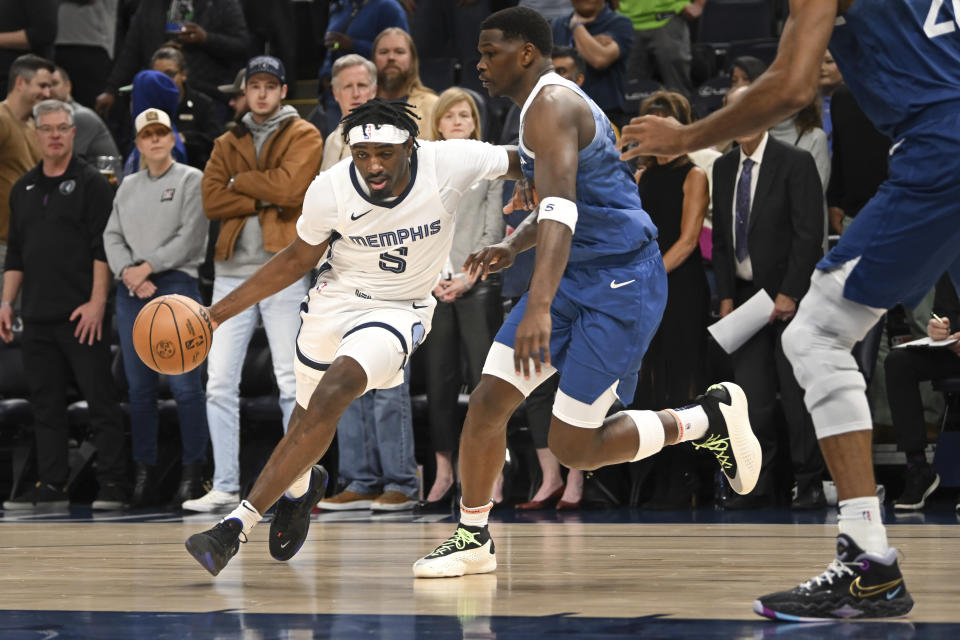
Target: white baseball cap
{"x":152,"y":116}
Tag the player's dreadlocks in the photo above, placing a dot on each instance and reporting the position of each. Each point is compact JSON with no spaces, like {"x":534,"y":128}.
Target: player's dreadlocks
{"x":379,"y":111}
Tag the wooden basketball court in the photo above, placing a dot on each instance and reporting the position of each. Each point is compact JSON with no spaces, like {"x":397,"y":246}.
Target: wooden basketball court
{"x":113,"y":578}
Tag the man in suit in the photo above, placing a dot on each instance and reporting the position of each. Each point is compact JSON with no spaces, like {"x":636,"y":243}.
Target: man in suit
{"x":767,"y":234}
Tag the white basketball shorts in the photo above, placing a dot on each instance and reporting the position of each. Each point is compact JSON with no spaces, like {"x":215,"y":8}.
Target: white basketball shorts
{"x":380,"y":335}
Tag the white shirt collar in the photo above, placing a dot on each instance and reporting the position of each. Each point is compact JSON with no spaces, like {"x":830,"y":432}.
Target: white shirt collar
{"x":757,"y":155}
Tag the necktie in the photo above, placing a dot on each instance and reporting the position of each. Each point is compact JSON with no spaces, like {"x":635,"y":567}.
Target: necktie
{"x":743,"y":210}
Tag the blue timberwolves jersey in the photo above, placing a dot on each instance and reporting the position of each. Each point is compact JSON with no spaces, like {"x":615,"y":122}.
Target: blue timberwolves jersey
{"x":900,"y":58}
{"x":611,"y":220}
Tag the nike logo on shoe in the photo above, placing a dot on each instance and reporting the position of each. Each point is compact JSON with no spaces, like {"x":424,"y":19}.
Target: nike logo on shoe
{"x":616,"y":285}
{"x":857,"y":590}
{"x":284,"y":545}
{"x":893,"y":594}
{"x":357,"y":216}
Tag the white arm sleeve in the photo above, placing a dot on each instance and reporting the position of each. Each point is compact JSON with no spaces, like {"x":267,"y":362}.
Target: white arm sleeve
{"x":320,"y":211}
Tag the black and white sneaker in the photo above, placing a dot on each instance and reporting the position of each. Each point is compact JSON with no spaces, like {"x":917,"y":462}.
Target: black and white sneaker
{"x":39,"y":497}
{"x":919,"y":483}
{"x":214,"y":547}
{"x":857,"y":584}
{"x":469,"y":550}
{"x":730,"y":437}
{"x":291,"y":518}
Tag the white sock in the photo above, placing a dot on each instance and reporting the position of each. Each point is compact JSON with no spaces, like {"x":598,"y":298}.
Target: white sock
{"x":299,"y":487}
{"x":246,"y":514}
{"x":692,"y":422}
{"x":860,"y":519}
{"x":650,"y":432}
{"x":475,"y":516}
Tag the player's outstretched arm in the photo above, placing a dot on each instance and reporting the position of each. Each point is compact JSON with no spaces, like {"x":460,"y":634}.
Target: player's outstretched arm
{"x":498,"y":257}
{"x":282,"y":270}
{"x":786,"y":87}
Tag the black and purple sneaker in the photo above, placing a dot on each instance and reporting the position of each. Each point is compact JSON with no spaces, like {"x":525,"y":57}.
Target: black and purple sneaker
{"x":214,"y":547}
{"x":856,"y":585}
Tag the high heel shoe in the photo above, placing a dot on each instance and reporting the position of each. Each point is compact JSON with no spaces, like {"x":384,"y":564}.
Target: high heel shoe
{"x":563,"y":505}
{"x":443,"y":505}
{"x":546,"y":503}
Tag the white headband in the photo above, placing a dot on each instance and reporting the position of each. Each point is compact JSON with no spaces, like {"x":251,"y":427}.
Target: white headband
{"x":382,"y":133}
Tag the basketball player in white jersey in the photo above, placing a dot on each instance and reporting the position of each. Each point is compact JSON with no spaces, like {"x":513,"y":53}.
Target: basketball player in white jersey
{"x":381,"y":223}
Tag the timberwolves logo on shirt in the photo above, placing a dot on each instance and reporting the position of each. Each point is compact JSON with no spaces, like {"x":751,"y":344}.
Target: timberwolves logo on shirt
{"x":68,"y":186}
{"x":167,"y":195}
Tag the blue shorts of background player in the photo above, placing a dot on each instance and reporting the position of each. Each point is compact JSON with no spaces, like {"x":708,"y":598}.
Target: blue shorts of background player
{"x":908,"y":235}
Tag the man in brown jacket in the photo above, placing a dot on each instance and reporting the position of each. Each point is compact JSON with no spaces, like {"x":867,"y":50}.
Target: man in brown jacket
{"x":30,"y":77}
{"x":254,"y":185}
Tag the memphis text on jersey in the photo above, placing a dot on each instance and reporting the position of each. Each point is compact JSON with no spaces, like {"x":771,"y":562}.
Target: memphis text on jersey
{"x":398,"y":237}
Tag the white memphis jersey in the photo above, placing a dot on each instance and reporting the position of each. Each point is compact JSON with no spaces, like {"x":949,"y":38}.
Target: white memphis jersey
{"x":394,"y":250}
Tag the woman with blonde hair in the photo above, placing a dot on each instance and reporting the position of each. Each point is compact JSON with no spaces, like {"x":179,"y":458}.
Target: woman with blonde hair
{"x":469,"y":312}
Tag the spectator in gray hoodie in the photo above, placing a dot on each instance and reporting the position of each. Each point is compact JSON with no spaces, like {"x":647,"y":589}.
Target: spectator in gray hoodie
{"x":155,"y":240}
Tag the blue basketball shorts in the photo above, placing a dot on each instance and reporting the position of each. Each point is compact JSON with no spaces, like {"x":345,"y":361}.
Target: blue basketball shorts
{"x":908,"y":234}
{"x":604,"y":315}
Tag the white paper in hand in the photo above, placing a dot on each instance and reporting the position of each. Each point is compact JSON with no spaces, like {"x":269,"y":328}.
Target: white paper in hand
{"x":743,"y":323}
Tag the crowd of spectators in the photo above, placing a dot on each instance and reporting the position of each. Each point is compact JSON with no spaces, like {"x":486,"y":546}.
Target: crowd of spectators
{"x":152,"y":147}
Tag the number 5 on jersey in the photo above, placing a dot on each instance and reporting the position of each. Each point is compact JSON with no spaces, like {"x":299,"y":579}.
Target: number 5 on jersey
{"x":393,"y":261}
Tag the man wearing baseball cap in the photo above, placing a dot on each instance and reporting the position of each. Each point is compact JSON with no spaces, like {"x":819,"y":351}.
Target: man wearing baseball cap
{"x":254,"y":185}
{"x":237,"y":98}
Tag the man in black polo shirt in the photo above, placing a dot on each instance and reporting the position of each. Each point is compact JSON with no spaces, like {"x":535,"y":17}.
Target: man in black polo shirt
{"x":57,"y":214}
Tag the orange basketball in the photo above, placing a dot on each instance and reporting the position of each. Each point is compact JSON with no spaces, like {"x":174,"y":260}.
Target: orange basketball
{"x":172,"y":334}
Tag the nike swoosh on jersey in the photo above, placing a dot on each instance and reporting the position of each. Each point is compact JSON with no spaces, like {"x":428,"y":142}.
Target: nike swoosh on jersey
{"x":420,"y":306}
{"x":616,"y":285}
{"x":354,"y":216}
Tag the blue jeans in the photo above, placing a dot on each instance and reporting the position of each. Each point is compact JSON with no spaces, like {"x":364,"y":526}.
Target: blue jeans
{"x":375,"y":438}
{"x":142,"y":381}
{"x":280,"y":314}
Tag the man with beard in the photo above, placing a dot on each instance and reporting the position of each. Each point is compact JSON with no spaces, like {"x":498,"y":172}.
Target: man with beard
{"x":398,"y":72}
{"x":381,"y":227}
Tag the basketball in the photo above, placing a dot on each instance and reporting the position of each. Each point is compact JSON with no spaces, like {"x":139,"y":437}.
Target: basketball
{"x":172,"y":334}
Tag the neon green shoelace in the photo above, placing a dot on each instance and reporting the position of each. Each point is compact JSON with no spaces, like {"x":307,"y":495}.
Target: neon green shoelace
{"x":459,"y":540}
{"x":719,"y":447}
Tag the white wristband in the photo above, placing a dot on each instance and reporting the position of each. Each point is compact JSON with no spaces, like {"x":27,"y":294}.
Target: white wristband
{"x":559,"y":210}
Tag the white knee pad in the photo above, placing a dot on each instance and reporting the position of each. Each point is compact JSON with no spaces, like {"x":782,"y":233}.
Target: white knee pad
{"x":818,"y":345}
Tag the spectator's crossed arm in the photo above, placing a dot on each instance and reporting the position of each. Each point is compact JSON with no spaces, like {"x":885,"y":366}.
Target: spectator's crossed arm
{"x":220,"y":199}
{"x":286,"y":184}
